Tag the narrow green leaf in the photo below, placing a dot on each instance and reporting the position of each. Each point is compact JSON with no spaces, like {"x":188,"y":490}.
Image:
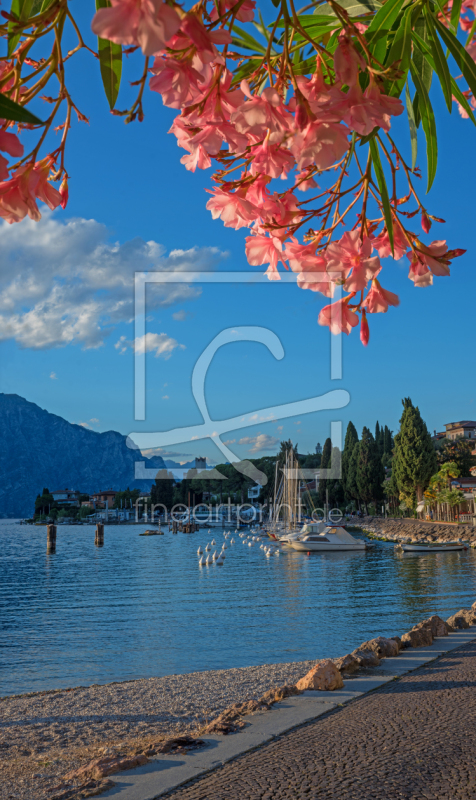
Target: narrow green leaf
{"x":15,"y":112}
{"x":460,"y":55}
{"x":429,"y":126}
{"x":420,"y":33}
{"x":352,"y":7}
{"x":246,"y":41}
{"x":412,"y":126}
{"x":377,"y":32}
{"x":110,"y":62}
{"x":455,"y":14}
{"x":441,"y":65}
{"x":21,"y":9}
{"x":366,"y":139}
{"x":387,"y":211}
{"x":39,"y":6}
{"x":400,"y":52}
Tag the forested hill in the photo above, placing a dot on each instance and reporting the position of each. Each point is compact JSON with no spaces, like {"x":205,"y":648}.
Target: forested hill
{"x":39,"y":449}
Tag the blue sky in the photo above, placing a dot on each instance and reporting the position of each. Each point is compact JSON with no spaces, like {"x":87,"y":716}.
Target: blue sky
{"x":129,"y":188}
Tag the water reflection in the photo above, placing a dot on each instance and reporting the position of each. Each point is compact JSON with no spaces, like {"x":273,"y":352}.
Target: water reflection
{"x":141,"y":606}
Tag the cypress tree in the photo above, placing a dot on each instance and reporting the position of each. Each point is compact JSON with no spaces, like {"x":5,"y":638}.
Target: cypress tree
{"x":351,"y":437}
{"x":352,"y":488}
{"x":414,"y":461}
{"x":377,"y":434}
{"x":387,"y":440}
{"x":325,"y":464}
{"x":370,"y":472}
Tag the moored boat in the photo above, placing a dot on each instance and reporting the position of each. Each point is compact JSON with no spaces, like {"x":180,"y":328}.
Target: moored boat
{"x":330,"y":538}
{"x":432,"y":547}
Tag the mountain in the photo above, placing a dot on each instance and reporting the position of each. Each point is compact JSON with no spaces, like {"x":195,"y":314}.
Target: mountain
{"x":170,"y":464}
{"x":39,"y":449}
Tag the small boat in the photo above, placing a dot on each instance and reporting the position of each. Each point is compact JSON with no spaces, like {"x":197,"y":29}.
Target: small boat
{"x":309,"y":528}
{"x":331,"y":538}
{"x":432,"y":547}
{"x":154,"y":532}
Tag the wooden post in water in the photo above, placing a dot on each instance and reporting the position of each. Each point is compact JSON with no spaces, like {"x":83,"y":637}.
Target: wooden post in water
{"x":99,"y":540}
{"x":51,"y":538}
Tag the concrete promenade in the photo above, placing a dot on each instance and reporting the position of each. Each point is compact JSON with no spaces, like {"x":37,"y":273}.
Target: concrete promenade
{"x":404,"y":731}
{"x":412,"y":739}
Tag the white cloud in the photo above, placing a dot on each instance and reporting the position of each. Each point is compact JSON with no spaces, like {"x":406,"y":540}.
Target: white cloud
{"x":180,"y":316}
{"x":165,"y":397}
{"x":259,"y":443}
{"x":84,"y":424}
{"x":94,"y":421}
{"x":280,"y":427}
{"x":53,"y":376}
{"x":66,"y":283}
{"x":158,"y":343}
{"x":229,"y":441}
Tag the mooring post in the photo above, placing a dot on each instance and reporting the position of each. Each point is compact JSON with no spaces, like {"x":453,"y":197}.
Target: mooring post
{"x":99,"y":540}
{"x":51,"y":537}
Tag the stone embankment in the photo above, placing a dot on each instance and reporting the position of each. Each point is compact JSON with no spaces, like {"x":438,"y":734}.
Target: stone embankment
{"x":416,"y":530}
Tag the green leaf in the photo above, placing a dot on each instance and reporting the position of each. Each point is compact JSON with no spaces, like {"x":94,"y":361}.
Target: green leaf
{"x":15,"y":112}
{"x":425,"y":71}
{"x":441,"y":65}
{"x":412,"y":126}
{"x":460,"y":55}
{"x":353,"y":7}
{"x":39,"y":6}
{"x":21,"y":9}
{"x":400,"y":51}
{"x":246,"y":41}
{"x":387,"y":210}
{"x":429,"y":126}
{"x":455,"y":14}
{"x":377,"y":32}
{"x":366,"y":139}
{"x":110,"y":62}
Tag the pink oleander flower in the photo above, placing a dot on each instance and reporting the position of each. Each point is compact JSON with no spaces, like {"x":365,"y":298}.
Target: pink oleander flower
{"x":303,"y":183}
{"x":64,"y":192}
{"x":324,"y":100}
{"x":352,"y":253}
{"x":146,"y":23}
{"x":432,"y":259}
{"x":364,"y":329}
{"x":177,"y":81}
{"x":17,"y":196}
{"x":201,"y":43}
{"x":10,"y":143}
{"x":258,"y":115}
{"x":363,"y":111}
{"x":232,"y":208}
{"x":43,"y":189}
{"x":338,"y":317}
{"x":320,"y":144}
{"x":271,"y":160}
{"x":197,"y":158}
{"x":383,"y":247}
{"x":379,"y":299}
{"x":276,"y":210}
{"x":263,"y":249}
{"x":246,"y":12}
{"x":311,"y":268}
{"x":347,"y":61}
{"x":425,"y":222}
{"x":217,"y":101}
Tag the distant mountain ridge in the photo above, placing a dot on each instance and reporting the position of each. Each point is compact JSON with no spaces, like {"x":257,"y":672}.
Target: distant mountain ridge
{"x":39,"y":449}
{"x":170,"y":464}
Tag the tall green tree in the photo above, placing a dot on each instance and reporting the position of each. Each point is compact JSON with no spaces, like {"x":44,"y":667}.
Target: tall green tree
{"x":387,"y":440}
{"x":352,"y":488}
{"x":458,"y":450}
{"x":414,"y":459}
{"x":379,"y":437}
{"x":162,"y":491}
{"x":351,"y":437}
{"x":370,"y":473}
{"x":325,"y":464}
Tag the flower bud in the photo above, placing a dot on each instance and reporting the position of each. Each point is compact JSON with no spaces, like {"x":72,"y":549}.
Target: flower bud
{"x":63,"y":190}
{"x":364,"y":329}
{"x":425,"y":222}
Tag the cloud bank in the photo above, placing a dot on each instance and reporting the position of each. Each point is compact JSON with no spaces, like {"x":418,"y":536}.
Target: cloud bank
{"x":66,"y":283}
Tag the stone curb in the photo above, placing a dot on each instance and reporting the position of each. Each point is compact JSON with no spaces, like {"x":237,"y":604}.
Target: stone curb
{"x":167,"y":772}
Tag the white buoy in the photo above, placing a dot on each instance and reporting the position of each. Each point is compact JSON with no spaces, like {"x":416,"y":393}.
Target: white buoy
{"x":276,"y":552}
{"x":250,"y":544}
{"x":213,"y":542}
{"x":222,"y":555}
{"x":207,"y":548}
{"x":232,"y":541}
{"x":200,"y":563}
{"x":214,"y":556}
{"x":199,"y":551}
{"x":268,"y":553}
{"x":224,"y":546}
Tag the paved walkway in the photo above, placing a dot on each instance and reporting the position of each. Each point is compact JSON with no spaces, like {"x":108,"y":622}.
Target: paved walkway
{"x":411,"y":739}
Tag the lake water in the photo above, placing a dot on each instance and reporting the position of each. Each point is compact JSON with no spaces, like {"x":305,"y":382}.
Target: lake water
{"x":141,"y":607}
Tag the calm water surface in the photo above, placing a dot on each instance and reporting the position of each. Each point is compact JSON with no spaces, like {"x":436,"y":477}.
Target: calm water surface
{"x":141,"y":606}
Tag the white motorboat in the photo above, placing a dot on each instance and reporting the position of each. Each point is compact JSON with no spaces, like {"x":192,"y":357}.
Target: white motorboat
{"x":432,"y":547}
{"x":327,"y":538}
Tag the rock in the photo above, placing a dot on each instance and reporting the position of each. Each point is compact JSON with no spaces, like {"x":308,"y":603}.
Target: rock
{"x":418,"y":637}
{"x":178,"y":744}
{"x":437,"y":625}
{"x":102,"y":767}
{"x":382,"y":647}
{"x":398,"y":641}
{"x":366,"y":658}
{"x":324,"y":676}
{"x":87,"y":789}
{"x":463,"y":618}
{"x":277,"y":694}
{"x":348,"y":663}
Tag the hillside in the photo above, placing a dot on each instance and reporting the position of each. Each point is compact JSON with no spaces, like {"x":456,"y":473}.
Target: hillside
{"x":39,"y":449}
